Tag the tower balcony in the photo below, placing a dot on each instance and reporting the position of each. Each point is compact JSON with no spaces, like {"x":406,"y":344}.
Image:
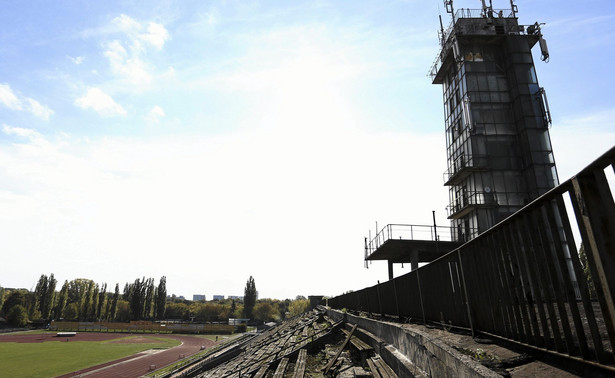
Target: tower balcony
{"x":469,"y":201}
{"x":397,"y":242}
{"x":463,"y":166}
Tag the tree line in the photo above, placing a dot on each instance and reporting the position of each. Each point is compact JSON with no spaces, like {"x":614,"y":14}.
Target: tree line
{"x":263,"y":310}
{"x":84,"y":300}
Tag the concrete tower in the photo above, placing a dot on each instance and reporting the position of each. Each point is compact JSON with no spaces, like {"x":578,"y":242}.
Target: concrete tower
{"x":496,"y":117}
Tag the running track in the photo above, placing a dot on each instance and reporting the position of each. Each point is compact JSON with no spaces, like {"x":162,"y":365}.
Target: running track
{"x":128,"y":367}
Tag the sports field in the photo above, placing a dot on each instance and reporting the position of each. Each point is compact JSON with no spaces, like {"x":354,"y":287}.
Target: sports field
{"x":45,"y":355}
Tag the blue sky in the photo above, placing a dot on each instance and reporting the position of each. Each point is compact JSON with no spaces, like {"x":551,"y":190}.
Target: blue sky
{"x":213,"y":140}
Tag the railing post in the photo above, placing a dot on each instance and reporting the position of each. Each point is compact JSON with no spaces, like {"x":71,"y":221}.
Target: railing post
{"x":465,"y":293}
{"x":379,"y":302}
{"x":396,"y":299}
{"x":418,"y":280}
{"x":595,"y":212}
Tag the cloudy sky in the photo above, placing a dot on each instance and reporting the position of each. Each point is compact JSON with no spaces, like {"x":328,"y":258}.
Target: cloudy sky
{"x":213,"y":140}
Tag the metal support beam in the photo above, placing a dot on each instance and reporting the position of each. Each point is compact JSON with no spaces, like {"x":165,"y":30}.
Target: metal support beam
{"x":414,"y":260}
{"x":390,"y":269}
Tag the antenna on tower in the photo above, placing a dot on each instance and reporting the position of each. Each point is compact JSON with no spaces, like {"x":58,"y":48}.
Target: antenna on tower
{"x":535,"y":30}
{"x":513,"y":8}
{"x":441,"y":31}
{"x":448,"y":4}
{"x":487,"y":10}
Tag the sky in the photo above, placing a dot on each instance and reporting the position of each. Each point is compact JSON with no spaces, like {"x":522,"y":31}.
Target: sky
{"x":211,"y":141}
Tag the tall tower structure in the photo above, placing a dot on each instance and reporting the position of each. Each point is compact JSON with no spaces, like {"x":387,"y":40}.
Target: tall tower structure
{"x":497,"y":119}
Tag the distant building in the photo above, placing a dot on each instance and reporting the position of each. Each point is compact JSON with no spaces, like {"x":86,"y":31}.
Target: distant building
{"x":218,"y":297}
{"x":198,"y":297}
{"x":235,"y":297}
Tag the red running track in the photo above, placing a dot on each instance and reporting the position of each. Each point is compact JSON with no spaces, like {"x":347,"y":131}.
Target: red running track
{"x":139,"y":364}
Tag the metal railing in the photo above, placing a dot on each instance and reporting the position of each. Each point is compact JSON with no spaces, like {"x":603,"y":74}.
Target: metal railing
{"x":460,"y":14}
{"x":409,"y":232}
{"x":471,"y":199}
{"x":523,"y":279}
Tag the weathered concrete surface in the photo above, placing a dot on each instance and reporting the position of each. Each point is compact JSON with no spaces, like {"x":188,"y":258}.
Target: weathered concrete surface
{"x":414,"y":350}
{"x":416,"y":353}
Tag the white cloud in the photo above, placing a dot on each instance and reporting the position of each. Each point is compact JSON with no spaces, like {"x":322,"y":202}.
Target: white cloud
{"x":155,"y":114}
{"x":12,"y":101}
{"x":156,"y":35}
{"x":8,"y":97}
{"x":126,"y":54}
{"x":100,"y":102}
{"x":126,"y":24}
{"x":32,"y":141}
{"x":39,"y":110}
{"x":77,"y":60}
{"x":26,"y":133}
{"x":127,"y":64}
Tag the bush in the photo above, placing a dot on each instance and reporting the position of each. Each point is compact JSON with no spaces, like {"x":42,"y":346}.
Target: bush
{"x":17,"y":316}
{"x":241,"y":328}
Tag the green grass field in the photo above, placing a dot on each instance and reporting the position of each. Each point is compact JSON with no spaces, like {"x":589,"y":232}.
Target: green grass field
{"x":50,"y":359}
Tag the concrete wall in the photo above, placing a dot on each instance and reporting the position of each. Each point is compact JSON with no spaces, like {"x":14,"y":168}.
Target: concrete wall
{"x":411,"y":352}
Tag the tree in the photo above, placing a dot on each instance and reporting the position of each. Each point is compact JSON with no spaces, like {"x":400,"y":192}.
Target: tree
{"x":238,"y":313}
{"x":123,"y":311}
{"x":140,"y":295}
{"x":265,"y":312}
{"x":62,"y":301}
{"x":2,"y":291}
{"x":17,"y":316}
{"x":298,"y":306}
{"x":14,"y":298}
{"x":161,"y":298}
{"x":86,"y":303}
{"x":102,"y":295}
{"x":94,"y":304}
{"x":78,"y":293}
{"x":50,"y":297}
{"x":116,"y":297}
{"x":149,"y":298}
{"x":44,"y":295}
{"x":177,"y":311}
{"x":71,"y":311}
{"x":133,"y":293}
{"x":249,"y":298}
